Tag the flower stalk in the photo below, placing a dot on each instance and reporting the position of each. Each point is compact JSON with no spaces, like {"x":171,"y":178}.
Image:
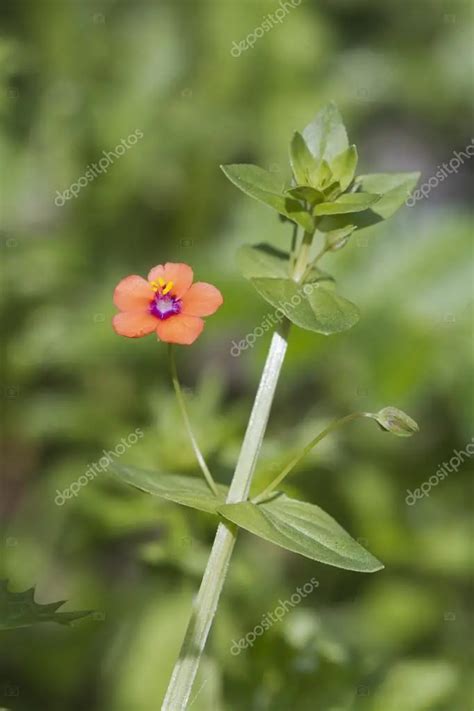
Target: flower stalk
{"x":184,"y":413}
{"x":293,"y":462}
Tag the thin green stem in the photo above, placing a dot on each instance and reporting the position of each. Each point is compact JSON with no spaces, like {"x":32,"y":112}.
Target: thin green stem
{"x":322,"y":251}
{"x":294,"y":237}
{"x":291,"y":464}
{"x":184,"y":413}
{"x":207,"y":599}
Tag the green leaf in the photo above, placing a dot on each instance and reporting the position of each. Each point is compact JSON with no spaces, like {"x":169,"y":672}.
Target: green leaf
{"x":302,"y":528}
{"x":393,"y":420}
{"x":262,"y":260}
{"x":322,"y":178}
{"x":305,"y":192}
{"x":19,"y":609}
{"x":316,"y":274}
{"x":394,"y":188}
{"x":302,"y":161}
{"x":326,"y":136}
{"x":267,"y":188}
{"x":186,"y":490}
{"x":343,"y":167}
{"x":348,"y":203}
{"x":331,"y":191}
{"x":334,"y":313}
{"x":309,"y":305}
{"x":255,"y":181}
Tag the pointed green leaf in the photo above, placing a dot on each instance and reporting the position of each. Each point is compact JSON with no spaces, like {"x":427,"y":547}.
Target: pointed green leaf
{"x":186,"y":490}
{"x":267,"y":188}
{"x":344,"y":166}
{"x":302,"y":161}
{"x":262,"y":260}
{"x":331,"y":192}
{"x":19,"y":609}
{"x":394,"y":188}
{"x":316,"y":274}
{"x":253,"y":180}
{"x":289,"y":297}
{"x":334,"y":313}
{"x":323,"y":179}
{"x":350,"y":202}
{"x":305,"y":192}
{"x":302,"y":528}
{"x":326,"y":136}
{"x":309,"y":305}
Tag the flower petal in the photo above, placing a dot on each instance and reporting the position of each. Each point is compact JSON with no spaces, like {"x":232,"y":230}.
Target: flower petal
{"x":201,"y":300}
{"x":180,"y":274}
{"x":134,"y":324}
{"x":180,"y":329}
{"x":132,"y":293}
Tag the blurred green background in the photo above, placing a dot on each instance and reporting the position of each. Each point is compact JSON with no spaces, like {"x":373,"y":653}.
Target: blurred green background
{"x":77,"y":77}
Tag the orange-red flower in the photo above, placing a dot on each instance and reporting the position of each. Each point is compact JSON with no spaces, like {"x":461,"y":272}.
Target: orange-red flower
{"x":168,"y":303}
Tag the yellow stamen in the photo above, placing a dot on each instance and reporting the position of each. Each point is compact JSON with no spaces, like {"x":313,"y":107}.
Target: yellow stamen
{"x":162,"y":286}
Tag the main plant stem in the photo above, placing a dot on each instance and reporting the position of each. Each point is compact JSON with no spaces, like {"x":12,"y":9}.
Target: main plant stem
{"x":205,"y":604}
{"x":303,"y":256}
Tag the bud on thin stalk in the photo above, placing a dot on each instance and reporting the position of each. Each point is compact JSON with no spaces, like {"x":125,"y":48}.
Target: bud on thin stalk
{"x":393,"y":420}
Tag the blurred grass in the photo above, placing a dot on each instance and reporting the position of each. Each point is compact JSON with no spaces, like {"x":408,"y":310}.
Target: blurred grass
{"x":76,"y":78}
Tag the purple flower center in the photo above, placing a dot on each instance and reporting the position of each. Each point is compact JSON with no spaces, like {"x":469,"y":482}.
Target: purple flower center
{"x":164,"y":306}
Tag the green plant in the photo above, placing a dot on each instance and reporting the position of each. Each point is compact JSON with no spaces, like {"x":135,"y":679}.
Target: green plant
{"x":325,"y":203}
{"x":19,"y":609}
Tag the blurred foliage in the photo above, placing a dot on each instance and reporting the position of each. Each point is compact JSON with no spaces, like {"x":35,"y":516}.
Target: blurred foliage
{"x":77,"y":78}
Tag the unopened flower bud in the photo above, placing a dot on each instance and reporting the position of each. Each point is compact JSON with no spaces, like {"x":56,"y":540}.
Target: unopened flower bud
{"x":396,"y":421}
{"x":337,"y":239}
